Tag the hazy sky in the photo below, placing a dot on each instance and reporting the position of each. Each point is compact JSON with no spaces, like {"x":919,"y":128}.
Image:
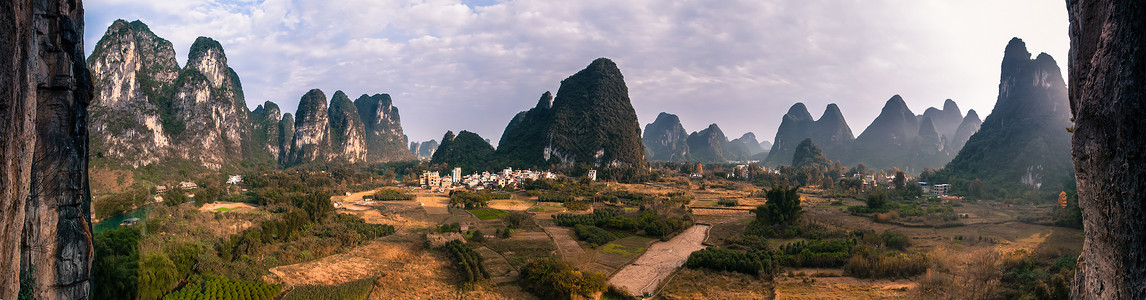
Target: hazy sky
{"x":472,"y":65}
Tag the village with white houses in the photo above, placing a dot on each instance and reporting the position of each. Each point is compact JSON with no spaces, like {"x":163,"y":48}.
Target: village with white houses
{"x":478,"y":181}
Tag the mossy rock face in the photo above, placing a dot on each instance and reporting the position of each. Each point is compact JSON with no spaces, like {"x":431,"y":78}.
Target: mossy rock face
{"x":591,"y":121}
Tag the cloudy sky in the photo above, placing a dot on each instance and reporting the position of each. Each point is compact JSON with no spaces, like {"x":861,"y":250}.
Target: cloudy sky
{"x":472,"y":65}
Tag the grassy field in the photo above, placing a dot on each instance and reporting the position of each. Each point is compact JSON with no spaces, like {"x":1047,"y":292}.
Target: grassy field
{"x":704,"y":284}
{"x":488,"y":213}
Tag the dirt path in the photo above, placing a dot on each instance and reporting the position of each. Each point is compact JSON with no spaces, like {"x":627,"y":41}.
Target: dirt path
{"x":646,"y":273}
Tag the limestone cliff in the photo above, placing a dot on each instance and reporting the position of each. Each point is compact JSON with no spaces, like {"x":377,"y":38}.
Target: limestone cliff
{"x":45,"y":88}
{"x":1107,"y":91}
{"x":385,"y":140}
{"x":665,"y":139}
{"x":424,"y":150}
{"x":707,"y":145}
{"x":208,"y":100}
{"x":286,"y":138}
{"x":311,"y":141}
{"x":347,"y":133}
{"x":968,"y":127}
{"x":131,"y":116}
{"x":266,"y":143}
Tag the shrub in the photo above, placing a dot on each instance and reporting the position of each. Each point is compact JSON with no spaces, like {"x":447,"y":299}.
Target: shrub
{"x":752,"y":262}
{"x":728,"y":202}
{"x":816,"y":254}
{"x":593,"y":235}
{"x":555,"y":279}
{"x":390,"y":195}
{"x":783,"y":206}
{"x":577,"y":205}
{"x":478,"y":237}
{"x":876,"y":199}
{"x":886,"y":265}
{"x":515,"y":220}
{"x":469,"y":200}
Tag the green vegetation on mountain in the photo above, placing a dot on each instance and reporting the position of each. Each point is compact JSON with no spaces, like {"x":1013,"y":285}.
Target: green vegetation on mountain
{"x":808,"y":154}
{"x":665,"y":139}
{"x":467,"y":150}
{"x":707,"y":145}
{"x":590,"y":122}
{"x":1023,"y":145}
{"x":831,"y":131}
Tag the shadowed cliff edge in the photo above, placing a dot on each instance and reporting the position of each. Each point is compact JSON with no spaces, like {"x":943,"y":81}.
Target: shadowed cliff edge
{"x":1107,"y":93}
{"x":45,"y":204}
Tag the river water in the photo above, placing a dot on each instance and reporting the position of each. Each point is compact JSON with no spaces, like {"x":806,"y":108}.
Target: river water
{"x":113,"y":222}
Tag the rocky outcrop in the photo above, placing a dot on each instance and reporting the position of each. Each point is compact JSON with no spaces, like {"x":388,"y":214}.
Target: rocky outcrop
{"x":1107,"y":92}
{"x":208,"y":101}
{"x":311,"y":142}
{"x":591,"y":122}
{"x":266,"y":137}
{"x":347,"y":133}
{"x":1023,"y":143}
{"x":930,"y":148}
{"x":424,"y":150}
{"x":132,"y":114}
{"x":831,"y":132}
{"x":148,"y":110}
{"x":968,"y":127}
{"x":384,"y":138}
{"x":946,"y":121}
{"x":707,"y":145}
{"x":665,"y":139}
{"x":286,"y":138}
{"x":45,"y":204}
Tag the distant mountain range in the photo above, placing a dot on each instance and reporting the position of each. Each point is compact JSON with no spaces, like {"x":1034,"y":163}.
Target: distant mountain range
{"x":666,"y":140}
{"x":148,"y":110}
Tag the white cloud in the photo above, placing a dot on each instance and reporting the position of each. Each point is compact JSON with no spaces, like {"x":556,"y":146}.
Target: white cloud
{"x":740,"y":64}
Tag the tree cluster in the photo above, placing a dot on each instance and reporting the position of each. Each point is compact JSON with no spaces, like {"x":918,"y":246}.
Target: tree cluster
{"x":593,"y":235}
{"x":783,"y":206}
{"x":550,"y":278}
{"x":391,"y":195}
{"x":468,"y":261}
{"x":752,"y":262}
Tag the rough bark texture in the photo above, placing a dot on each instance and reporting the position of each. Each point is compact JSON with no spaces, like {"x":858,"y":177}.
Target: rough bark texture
{"x":1108,"y":100}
